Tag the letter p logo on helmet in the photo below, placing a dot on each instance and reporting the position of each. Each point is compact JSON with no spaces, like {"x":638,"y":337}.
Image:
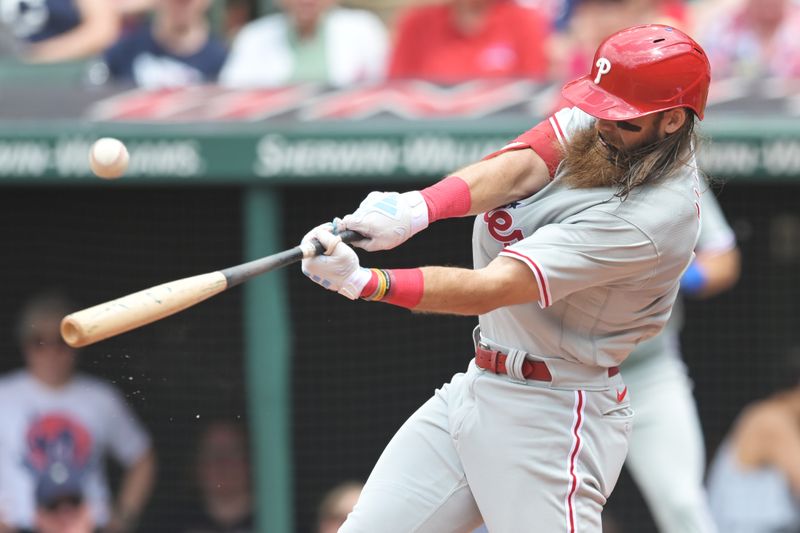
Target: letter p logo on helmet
{"x":603,"y":67}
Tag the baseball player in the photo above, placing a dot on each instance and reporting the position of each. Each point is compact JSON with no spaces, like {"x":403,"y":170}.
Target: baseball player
{"x":667,"y":456}
{"x":566,"y":281}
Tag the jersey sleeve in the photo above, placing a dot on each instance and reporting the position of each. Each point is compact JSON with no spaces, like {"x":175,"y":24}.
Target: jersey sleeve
{"x":594,"y":248}
{"x":549,"y":136}
{"x":716,"y":236}
{"x":128,"y":440}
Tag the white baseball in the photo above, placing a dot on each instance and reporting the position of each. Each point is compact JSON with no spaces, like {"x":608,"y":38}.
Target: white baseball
{"x":108,"y":158}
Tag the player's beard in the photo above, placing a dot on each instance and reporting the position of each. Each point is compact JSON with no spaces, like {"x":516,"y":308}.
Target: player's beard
{"x":589,"y":161}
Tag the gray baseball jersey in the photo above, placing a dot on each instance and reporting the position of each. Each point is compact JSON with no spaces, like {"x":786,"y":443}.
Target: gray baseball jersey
{"x":715,"y":236}
{"x":607,"y":269}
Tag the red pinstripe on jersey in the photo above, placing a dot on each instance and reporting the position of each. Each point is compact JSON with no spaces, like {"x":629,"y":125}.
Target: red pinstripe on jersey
{"x":538,"y":273}
{"x":577,"y":443}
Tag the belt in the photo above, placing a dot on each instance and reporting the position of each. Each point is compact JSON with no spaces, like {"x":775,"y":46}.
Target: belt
{"x":495,"y":361}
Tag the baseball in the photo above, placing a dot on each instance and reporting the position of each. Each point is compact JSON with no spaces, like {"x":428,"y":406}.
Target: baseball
{"x":108,"y":158}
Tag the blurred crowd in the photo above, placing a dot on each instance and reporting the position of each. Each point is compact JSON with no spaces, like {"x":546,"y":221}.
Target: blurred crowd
{"x":173,"y":43}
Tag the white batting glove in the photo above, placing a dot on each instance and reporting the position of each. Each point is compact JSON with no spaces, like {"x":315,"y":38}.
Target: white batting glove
{"x":387,"y":219}
{"x":338,"y":270}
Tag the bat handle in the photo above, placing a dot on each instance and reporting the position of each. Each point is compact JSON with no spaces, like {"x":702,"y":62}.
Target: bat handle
{"x":347,"y":236}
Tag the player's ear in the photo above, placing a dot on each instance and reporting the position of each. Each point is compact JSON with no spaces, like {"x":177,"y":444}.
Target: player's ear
{"x":674,"y":119}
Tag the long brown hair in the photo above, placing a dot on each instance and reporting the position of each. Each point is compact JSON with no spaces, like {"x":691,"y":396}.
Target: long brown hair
{"x":590,"y":163}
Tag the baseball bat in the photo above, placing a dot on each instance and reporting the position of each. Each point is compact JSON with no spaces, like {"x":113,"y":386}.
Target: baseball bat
{"x":129,"y":312}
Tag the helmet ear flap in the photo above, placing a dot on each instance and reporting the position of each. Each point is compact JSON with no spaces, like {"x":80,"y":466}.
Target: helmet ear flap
{"x":641,"y":70}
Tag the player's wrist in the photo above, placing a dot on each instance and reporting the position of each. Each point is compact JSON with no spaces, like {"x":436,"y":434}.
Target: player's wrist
{"x":400,"y":287}
{"x":418,"y":210}
{"x":449,"y":198}
{"x":354,"y":284}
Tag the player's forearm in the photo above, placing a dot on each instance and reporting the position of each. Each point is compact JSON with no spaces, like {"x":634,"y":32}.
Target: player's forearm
{"x":137,"y":484}
{"x":503,"y":179}
{"x":458,"y":291}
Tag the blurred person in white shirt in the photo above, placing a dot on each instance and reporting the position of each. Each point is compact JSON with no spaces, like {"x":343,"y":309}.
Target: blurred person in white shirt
{"x":308,"y":41}
{"x":49,"y":412}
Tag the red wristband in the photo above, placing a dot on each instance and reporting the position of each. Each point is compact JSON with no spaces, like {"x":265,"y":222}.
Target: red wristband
{"x":406,"y":287}
{"x":448,"y":198}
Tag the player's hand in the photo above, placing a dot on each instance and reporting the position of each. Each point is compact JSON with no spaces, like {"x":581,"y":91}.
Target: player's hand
{"x":338,"y":270}
{"x":387,"y":219}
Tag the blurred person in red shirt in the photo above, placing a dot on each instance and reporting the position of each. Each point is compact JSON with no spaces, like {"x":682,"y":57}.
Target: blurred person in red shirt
{"x":758,"y":39}
{"x":467,"y":39}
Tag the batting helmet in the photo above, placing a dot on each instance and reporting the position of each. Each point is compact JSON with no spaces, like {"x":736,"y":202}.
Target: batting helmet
{"x":643,"y":70}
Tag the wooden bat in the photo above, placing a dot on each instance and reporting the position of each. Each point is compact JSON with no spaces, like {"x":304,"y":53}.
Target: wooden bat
{"x":140,"y":308}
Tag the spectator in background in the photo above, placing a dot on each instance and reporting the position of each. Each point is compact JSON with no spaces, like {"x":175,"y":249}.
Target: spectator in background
{"x":222,"y":470}
{"x":754,"y":479}
{"x":237,"y":14}
{"x":61,"y":30}
{"x":133,"y":13}
{"x":336,"y":505}
{"x":175,"y":49}
{"x":310,"y":41}
{"x":757,"y":40}
{"x":60,"y":503}
{"x":590,"y":21}
{"x":463,"y":40}
{"x":48,"y":413}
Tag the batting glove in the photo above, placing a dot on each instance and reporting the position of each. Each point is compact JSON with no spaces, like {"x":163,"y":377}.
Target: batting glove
{"x":387,"y":219}
{"x":338,"y":270}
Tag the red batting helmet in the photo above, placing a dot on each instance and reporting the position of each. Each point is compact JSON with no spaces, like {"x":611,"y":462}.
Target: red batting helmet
{"x":643,"y":70}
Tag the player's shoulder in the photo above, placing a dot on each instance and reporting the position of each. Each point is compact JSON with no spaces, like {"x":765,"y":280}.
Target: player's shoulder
{"x":675,"y":198}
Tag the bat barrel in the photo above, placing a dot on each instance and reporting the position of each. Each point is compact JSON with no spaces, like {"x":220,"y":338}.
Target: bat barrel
{"x":134,"y":310}
{"x":140,"y":308}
